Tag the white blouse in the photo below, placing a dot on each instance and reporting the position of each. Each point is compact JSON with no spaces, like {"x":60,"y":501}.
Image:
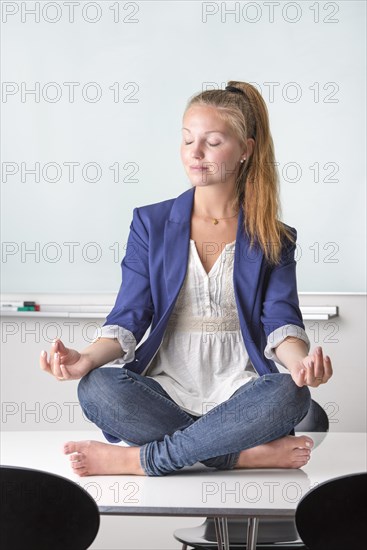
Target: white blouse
{"x":202,"y":359}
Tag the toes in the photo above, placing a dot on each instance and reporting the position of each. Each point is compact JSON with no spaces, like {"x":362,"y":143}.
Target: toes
{"x":301,"y":456}
{"x":300,"y":461}
{"x":301,"y":453}
{"x":77,"y":462}
{"x":76,"y":446}
{"x":77,"y":457}
{"x":78,"y":466}
{"x":70,"y":447}
{"x":304,"y":441}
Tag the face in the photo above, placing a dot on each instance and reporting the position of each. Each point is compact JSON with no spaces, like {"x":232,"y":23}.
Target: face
{"x":210,"y":151}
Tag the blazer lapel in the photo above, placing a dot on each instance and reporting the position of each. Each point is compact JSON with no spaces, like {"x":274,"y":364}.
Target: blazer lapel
{"x":246,"y":270}
{"x":176,"y":242}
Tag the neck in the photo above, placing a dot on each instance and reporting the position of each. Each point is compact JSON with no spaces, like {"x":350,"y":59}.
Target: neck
{"x":214,"y":202}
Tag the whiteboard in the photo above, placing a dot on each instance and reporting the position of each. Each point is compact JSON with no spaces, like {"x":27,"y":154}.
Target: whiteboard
{"x":93,"y":95}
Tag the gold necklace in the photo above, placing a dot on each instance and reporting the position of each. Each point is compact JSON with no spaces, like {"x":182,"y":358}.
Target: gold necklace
{"x":216,"y":220}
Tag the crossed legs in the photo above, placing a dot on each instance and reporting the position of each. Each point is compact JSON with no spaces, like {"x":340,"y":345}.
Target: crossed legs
{"x":249,"y":430}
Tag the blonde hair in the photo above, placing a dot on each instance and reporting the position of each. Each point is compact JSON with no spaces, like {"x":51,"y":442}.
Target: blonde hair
{"x":257,"y":183}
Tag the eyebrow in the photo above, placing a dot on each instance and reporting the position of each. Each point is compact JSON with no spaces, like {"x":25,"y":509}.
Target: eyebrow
{"x":209,"y":132}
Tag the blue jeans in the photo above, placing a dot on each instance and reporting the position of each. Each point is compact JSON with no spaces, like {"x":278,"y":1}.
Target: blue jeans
{"x":135,"y":409}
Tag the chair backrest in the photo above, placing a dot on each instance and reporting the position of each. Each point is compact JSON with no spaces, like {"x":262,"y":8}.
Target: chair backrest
{"x":316,"y":420}
{"x":44,"y":511}
{"x":333,"y":514}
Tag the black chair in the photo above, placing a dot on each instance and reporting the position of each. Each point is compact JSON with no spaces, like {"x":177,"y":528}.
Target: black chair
{"x":272,"y":533}
{"x":44,"y":511}
{"x":316,"y":420}
{"x":333,"y":514}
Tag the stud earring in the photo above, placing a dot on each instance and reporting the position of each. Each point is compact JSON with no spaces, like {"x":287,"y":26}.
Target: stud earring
{"x":243,"y":159}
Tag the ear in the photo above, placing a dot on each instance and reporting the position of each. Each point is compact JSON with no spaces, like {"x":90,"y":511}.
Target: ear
{"x":250,"y":146}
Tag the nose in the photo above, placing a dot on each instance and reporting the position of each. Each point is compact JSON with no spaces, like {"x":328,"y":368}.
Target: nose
{"x":196,"y":152}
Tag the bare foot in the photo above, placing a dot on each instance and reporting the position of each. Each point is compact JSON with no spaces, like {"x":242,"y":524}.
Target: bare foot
{"x":287,"y":452}
{"x":91,"y":458}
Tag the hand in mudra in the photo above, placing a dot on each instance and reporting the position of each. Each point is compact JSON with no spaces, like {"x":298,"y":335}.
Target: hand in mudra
{"x":65,"y":363}
{"x":313,"y":370}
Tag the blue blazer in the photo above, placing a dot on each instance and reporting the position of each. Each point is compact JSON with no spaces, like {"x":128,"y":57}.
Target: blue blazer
{"x":154,"y":269}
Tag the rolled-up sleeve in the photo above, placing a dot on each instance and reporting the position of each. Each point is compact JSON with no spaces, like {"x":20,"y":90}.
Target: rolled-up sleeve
{"x":125,"y":338}
{"x":279,"y":335}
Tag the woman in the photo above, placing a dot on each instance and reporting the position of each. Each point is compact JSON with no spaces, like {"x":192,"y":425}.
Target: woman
{"x":212,"y":273}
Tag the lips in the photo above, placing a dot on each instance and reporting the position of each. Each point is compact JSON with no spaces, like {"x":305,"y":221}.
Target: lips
{"x":199,"y":167}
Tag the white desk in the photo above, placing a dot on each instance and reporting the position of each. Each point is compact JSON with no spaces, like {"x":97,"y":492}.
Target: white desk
{"x":196,"y":490}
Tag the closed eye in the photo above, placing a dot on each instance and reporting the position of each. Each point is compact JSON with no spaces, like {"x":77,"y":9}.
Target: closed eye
{"x":211,"y":144}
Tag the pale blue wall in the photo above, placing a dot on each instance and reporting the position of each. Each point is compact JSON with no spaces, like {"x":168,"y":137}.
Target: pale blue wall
{"x":170,"y":52}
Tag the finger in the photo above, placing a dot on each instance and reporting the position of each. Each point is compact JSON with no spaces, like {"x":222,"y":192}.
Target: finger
{"x":310,"y":374}
{"x":60,"y":349}
{"x":65,"y":373}
{"x":52,"y":352}
{"x":319,"y":364}
{"x":328,"y":368}
{"x":45,"y":365}
{"x":60,"y":346}
{"x":56,"y":366}
{"x":300,"y":378}
{"x":307,"y":360}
